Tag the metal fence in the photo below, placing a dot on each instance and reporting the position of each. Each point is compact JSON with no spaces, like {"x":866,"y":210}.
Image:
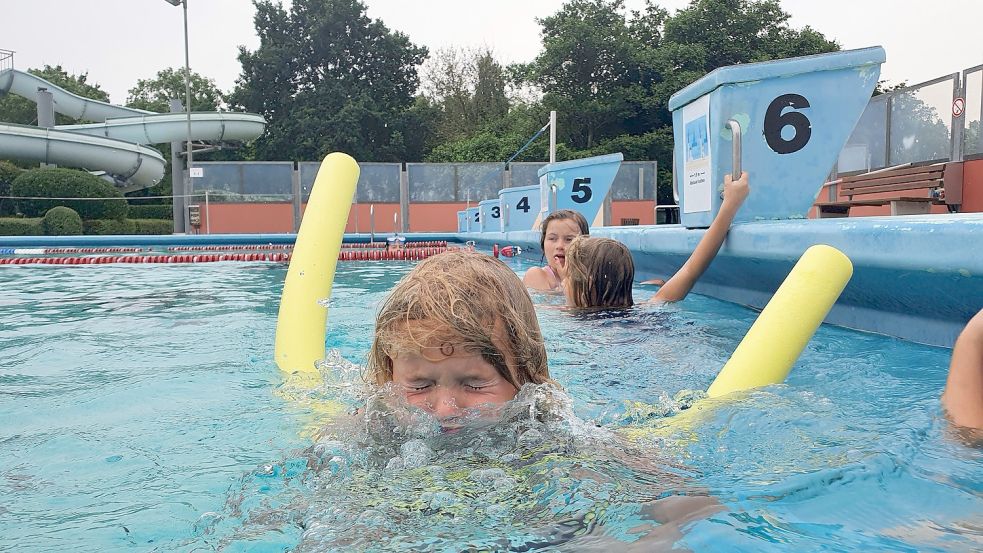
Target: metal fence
{"x":936,"y":120}
{"x":265,"y":181}
{"x":973,"y":94}
{"x":246,"y":181}
{"x":377,"y":182}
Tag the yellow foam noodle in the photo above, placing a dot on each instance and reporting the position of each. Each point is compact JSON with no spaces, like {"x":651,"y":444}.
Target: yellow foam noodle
{"x":302,"y":320}
{"x":782,"y":330}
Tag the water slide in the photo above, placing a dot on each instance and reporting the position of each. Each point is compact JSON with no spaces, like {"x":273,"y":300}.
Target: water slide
{"x":116,"y":142}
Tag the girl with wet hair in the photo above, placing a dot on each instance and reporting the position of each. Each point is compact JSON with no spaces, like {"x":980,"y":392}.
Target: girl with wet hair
{"x":600,"y":270}
{"x":457,"y":332}
{"x":557,"y":232}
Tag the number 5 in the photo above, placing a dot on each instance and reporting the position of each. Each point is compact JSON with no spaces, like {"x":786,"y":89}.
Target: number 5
{"x":580,"y":187}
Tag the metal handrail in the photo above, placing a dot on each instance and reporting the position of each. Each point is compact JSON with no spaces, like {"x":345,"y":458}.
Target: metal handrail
{"x":735,"y":129}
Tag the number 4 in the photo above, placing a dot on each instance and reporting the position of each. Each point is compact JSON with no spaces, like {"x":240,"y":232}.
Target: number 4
{"x":523,"y":204}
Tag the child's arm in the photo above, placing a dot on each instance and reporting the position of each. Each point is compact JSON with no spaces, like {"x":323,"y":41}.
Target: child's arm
{"x":682,"y":282}
{"x":963,"y":395}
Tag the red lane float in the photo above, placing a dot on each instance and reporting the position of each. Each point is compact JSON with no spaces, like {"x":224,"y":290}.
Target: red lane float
{"x":348,"y":254}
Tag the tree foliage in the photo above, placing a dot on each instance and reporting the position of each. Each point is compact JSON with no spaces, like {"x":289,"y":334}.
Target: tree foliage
{"x":155,"y":94}
{"x":329,"y":78}
{"x":14,"y":109}
{"x":467,"y":88}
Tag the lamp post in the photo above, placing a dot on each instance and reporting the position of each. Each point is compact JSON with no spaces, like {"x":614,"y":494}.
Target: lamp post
{"x":187,"y":109}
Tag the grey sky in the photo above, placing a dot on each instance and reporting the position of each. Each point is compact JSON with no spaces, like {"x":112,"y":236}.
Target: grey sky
{"x":120,"y":41}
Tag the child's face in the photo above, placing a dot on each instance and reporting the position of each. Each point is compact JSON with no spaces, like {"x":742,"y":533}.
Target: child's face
{"x":446,"y":385}
{"x":559,"y":234}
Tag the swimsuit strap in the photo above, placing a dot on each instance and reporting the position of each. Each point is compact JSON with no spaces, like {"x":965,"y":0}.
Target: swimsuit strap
{"x":549,"y":270}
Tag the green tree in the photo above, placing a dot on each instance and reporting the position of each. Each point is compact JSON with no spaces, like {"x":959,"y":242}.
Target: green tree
{"x":326,"y":77}
{"x":155,"y":94}
{"x":14,"y":109}
{"x":742,"y":31}
{"x":467,"y":87}
{"x":586,"y":69}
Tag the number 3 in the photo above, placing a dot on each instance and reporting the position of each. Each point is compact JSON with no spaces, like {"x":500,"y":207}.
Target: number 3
{"x":775,"y":121}
{"x":496,"y":212}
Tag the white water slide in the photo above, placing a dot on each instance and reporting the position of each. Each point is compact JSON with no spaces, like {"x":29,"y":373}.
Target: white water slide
{"x":116,"y":143}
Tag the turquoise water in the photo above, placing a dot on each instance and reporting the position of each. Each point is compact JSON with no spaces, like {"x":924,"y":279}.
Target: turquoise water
{"x":140,"y":410}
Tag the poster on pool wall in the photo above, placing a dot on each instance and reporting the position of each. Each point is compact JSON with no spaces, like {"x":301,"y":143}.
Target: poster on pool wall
{"x":697,"y":176}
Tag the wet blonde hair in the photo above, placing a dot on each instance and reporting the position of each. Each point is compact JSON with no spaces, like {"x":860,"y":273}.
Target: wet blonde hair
{"x":461,"y":301}
{"x":600,"y":272}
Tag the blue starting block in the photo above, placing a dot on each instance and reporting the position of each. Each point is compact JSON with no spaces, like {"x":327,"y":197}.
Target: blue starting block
{"x":580,"y":184}
{"x":520,"y":207}
{"x":490,"y":216}
{"x":793,"y":117}
{"x":462,"y":221}
{"x":472,"y":219}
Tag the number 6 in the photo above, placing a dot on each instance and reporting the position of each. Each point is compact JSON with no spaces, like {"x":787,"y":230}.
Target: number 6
{"x":775,"y":121}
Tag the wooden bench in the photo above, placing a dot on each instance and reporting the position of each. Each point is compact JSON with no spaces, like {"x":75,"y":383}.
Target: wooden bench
{"x":909,"y":190}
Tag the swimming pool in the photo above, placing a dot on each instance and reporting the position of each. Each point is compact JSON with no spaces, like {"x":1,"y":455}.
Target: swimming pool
{"x":140,"y":409}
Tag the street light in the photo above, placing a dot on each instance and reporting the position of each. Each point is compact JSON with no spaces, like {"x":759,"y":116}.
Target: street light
{"x":187,"y":109}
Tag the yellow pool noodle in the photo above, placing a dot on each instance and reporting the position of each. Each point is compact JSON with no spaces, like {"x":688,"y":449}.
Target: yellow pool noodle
{"x":787,"y":323}
{"x":302,"y":320}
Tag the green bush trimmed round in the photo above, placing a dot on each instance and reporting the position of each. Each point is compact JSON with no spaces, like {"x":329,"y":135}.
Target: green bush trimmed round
{"x":62,"y":221}
{"x":68,"y":183}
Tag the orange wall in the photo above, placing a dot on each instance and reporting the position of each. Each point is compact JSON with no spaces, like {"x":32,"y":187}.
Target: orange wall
{"x":973,"y":186}
{"x":435,"y":217}
{"x":643,"y":210}
{"x":242,"y":218}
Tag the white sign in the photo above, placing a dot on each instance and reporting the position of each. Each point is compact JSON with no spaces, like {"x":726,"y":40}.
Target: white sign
{"x":697,"y":174}
{"x":958,"y":106}
{"x":197,"y":172}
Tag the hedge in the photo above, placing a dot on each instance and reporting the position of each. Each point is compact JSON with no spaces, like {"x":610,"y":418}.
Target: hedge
{"x":62,"y":221}
{"x":20,"y":226}
{"x":8,"y":172}
{"x":151,"y":212}
{"x":68,"y":183}
{"x":127,"y":226}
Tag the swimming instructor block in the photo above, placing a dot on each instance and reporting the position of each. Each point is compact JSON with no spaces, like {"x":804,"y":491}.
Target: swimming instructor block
{"x":796,"y":114}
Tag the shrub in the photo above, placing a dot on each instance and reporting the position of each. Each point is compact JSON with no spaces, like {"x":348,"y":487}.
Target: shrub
{"x":153,"y":226}
{"x":108,"y":226}
{"x":127,"y":226}
{"x":20,"y":227}
{"x":68,"y":183}
{"x":60,"y":221}
{"x":8,"y":172}
{"x":151,"y":212}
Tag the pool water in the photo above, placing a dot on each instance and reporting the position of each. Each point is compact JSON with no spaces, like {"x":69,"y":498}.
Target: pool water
{"x":140,"y":409}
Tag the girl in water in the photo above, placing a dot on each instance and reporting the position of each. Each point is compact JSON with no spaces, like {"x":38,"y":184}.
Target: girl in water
{"x":558,"y":231}
{"x":600,"y":271}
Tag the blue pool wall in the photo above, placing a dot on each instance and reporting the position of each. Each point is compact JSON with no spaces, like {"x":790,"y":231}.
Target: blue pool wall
{"x":917,"y":277}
